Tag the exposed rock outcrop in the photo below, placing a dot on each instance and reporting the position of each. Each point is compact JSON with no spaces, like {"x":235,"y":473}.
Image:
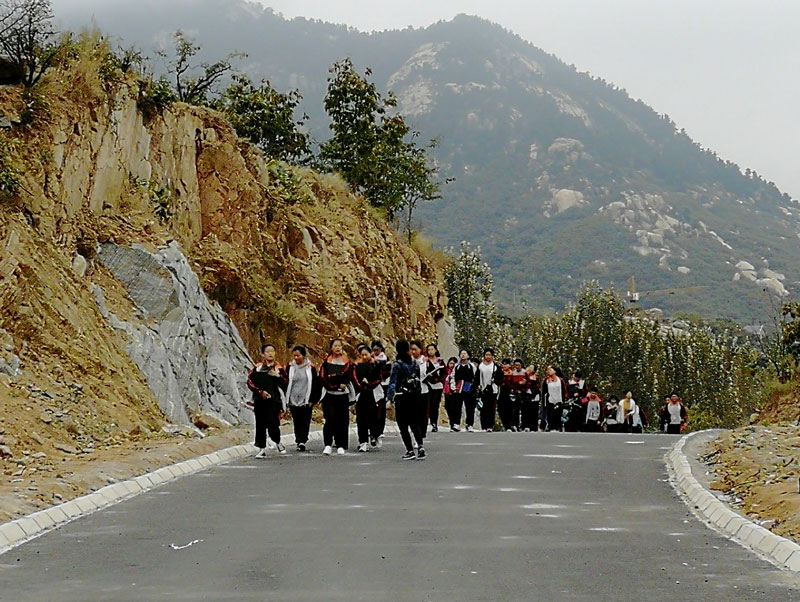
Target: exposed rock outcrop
{"x":188,"y":349}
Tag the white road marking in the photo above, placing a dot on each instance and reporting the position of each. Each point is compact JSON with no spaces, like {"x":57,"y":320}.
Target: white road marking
{"x":556,"y":456}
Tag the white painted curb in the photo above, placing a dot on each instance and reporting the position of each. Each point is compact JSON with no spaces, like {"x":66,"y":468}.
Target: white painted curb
{"x":21,"y":530}
{"x":778,"y":550}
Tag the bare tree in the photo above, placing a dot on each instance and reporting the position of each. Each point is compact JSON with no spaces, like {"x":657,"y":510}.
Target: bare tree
{"x":194,"y":82}
{"x":27,"y":36}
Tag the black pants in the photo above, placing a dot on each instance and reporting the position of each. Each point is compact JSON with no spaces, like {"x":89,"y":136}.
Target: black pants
{"x":470,"y":403}
{"x":406,"y":414}
{"x":434,"y":401}
{"x":380,"y":419}
{"x":452,"y":405}
{"x":422,"y":413}
{"x":504,"y":409}
{"x":673,"y":429}
{"x":336,"y":411}
{"x":489,"y":402}
{"x":367,"y":416}
{"x":268,"y":422}
{"x":301,"y":418}
{"x":553,"y":417}
{"x":591,"y":426}
{"x":529,"y":411}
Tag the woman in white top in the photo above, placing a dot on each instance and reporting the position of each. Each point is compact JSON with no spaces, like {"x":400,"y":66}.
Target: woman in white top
{"x":488,"y":379}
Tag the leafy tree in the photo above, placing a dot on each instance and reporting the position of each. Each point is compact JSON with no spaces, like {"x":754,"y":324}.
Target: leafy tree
{"x":267,"y":118}
{"x":27,"y":37}
{"x":790,"y":329}
{"x":375,"y":151}
{"x":469,"y":285}
{"x":194,"y":82}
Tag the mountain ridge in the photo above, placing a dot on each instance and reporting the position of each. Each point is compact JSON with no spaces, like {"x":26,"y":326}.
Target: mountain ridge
{"x":559,"y":176}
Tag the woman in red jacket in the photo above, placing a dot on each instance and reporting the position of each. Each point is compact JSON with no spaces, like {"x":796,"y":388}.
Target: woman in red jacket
{"x":517,"y":383}
{"x":366,"y":377}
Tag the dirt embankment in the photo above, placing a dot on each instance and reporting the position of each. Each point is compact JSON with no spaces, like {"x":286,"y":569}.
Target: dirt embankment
{"x":758,"y":467}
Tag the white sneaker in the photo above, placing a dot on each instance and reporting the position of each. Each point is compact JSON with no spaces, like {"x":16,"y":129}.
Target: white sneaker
{"x":262,"y":453}
{"x":270,"y":444}
{"x":380,"y":442}
{"x":527,"y":430}
{"x":327,"y":451}
{"x":470,"y":429}
{"x":281,"y":448}
{"x":362,"y":447}
{"x":340,"y":451}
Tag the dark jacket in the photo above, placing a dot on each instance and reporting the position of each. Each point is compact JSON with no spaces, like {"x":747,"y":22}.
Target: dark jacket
{"x":365,"y":370}
{"x":463,"y":373}
{"x":402,"y":373}
{"x":259,"y":381}
{"x":332,"y":376}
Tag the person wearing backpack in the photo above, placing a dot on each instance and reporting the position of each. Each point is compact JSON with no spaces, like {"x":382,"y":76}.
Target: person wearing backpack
{"x":405,"y":392}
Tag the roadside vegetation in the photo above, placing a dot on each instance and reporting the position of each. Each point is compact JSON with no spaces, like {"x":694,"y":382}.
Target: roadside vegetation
{"x":724,"y":376}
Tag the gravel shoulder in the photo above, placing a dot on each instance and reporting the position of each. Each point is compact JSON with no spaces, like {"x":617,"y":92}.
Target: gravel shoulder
{"x":756,"y":470}
{"x":46,"y":481}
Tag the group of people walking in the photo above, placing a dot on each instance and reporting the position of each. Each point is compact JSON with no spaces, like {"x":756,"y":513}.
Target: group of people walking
{"x":416,"y":383}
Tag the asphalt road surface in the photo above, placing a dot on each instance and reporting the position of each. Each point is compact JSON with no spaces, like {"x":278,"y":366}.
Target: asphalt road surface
{"x":501,"y":516}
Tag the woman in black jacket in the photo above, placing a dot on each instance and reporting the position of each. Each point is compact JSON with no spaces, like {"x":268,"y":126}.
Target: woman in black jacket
{"x":334,"y":374}
{"x":267,"y":380}
{"x":462,"y":378}
{"x":366,"y":377}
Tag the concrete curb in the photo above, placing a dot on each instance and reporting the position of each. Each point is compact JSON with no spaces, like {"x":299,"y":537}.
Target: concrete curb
{"x":21,"y":530}
{"x":778,"y":550}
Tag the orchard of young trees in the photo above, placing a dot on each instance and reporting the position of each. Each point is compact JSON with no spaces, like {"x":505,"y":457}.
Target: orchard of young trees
{"x":616,"y":349}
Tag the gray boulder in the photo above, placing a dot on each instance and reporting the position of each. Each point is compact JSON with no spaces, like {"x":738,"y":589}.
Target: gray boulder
{"x":187,"y":348}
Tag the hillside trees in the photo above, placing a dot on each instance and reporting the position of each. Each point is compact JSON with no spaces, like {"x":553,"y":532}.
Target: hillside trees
{"x":372,"y":147}
{"x":27,"y":37}
{"x":620,"y":351}
{"x":469,"y":286}
{"x":266,"y":117}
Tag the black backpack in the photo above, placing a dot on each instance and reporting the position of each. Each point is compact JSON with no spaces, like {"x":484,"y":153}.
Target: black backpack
{"x":410,"y":384}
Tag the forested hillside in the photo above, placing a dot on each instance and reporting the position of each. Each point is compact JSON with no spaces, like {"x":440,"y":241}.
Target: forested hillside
{"x":559,"y":176}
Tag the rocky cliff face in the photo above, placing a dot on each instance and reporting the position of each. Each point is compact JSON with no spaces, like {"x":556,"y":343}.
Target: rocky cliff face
{"x":123,"y":220}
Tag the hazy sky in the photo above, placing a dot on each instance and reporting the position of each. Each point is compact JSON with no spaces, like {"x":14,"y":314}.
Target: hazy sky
{"x":726,"y":70}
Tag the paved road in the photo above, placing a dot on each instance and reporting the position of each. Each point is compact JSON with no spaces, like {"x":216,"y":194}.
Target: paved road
{"x":498,"y":516}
